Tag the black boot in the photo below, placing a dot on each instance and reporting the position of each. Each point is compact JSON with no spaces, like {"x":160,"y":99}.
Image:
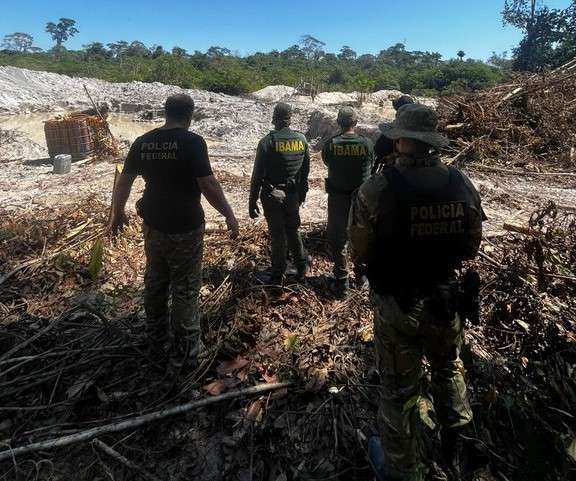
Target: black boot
{"x":269,"y":279}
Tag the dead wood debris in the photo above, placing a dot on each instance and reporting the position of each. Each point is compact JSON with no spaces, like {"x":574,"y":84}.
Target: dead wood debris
{"x":72,"y":356}
{"x":527,"y":122}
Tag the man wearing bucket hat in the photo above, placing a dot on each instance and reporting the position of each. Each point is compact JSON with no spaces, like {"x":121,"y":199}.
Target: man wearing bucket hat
{"x":280,"y":180}
{"x":349,"y":159}
{"x":384,"y":146}
{"x":414,"y":224}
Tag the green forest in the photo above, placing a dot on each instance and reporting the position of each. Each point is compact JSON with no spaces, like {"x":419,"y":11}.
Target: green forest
{"x":549,"y":39}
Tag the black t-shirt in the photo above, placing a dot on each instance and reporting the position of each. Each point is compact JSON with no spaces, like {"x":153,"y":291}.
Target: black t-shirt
{"x":170,"y":160}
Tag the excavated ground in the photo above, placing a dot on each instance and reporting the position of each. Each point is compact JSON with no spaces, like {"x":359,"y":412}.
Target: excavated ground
{"x":237,"y":438}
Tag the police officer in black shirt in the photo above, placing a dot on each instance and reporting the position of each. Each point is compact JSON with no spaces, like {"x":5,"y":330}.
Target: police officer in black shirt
{"x":174,"y":164}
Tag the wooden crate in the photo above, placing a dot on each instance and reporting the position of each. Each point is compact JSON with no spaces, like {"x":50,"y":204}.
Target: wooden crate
{"x":70,"y":135}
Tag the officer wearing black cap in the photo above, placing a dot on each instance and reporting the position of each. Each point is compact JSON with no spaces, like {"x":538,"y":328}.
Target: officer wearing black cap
{"x":349,"y":157}
{"x":384,"y":147}
{"x":280,"y":180}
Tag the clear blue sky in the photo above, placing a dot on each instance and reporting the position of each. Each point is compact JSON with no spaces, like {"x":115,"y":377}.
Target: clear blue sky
{"x":248,"y":26}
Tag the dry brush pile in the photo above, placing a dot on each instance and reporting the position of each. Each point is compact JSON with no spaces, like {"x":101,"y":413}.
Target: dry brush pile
{"x":73,"y":358}
{"x":528,"y":122}
{"x":72,"y":354}
{"x":524,"y":352}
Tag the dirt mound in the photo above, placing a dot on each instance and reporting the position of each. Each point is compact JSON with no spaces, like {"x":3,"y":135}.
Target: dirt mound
{"x":384,"y":96}
{"x":274,"y":93}
{"x":24,"y":91}
{"x":528,"y":122}
{"x":336,"y":98}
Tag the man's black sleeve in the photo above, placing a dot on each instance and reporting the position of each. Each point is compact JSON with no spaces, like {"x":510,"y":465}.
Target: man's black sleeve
{"x":132,"y":164}
{"x":201,"y":164}
{"x":303,"y":177}
{"x":258,"y":172}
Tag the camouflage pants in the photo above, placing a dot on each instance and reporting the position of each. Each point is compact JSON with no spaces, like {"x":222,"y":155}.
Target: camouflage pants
{"x":408,"y":413}
{"x":282,"y":212}
{"x":173,"y":272}
{"x":337,"y":231}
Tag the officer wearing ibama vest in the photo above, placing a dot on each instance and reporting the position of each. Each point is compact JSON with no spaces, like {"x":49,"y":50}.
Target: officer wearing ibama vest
{"x":280,"y":180}
{"x":349,"y":157}
{"x":414,"y":224}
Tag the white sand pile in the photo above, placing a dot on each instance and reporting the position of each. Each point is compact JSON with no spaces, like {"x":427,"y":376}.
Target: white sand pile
{"x":336,"y":98}
{"x":274,"y":93}
{"x":384,"y":96}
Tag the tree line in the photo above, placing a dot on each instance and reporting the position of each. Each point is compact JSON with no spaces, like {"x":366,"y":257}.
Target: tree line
{"x":549,"y":34}
{"x":549,"y":40}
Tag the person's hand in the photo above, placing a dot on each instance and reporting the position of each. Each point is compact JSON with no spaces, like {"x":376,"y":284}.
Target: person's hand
{"x":253,"y":210}
{"x":233,"y":226}
{"x":302,"y":199}
{"x":118,"y":222}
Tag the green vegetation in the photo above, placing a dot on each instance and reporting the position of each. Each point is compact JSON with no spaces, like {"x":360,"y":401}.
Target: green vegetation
{"x":549,"y":34}
{"x":549,"y":41}
{"x":218,"y":70}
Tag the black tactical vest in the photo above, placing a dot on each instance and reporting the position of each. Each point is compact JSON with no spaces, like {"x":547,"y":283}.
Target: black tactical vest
{"x":284,"y":157}
{"x":424,"y":234}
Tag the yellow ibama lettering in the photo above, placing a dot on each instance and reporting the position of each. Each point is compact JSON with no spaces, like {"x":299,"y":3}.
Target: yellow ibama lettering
{"x":350,"y":150}
{"x":290,"y":146}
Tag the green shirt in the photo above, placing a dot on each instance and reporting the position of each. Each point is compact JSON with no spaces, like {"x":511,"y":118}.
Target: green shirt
{"x":282,"y":157}
{"x":349,"y":158}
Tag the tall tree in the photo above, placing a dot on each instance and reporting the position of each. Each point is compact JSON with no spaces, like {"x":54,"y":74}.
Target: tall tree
{"x":62,"y":31}
{"x":157,"y":51}
{"x":312,"y":47}
{"x":118,"y":49}
{"x":179,"y":52}
{"x":461,"y":54}
{"x":218,"y":52}
{"x":96,"y":51}
{"x":293,"y":53}
{"x":346,"y":53}
{"x":546,"y":32}
{"x":396,"y":55}
{"x":137,"y":49}
{"x":19,"y":42}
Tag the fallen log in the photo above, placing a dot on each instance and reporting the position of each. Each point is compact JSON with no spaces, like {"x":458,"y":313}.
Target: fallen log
{"x":137,"y":421}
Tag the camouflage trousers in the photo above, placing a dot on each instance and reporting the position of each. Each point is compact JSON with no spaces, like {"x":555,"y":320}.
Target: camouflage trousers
{"x":282,"y":213}
{"x":409,"y":409}
{"x":173,"y":273}
{"x":337,"y":232}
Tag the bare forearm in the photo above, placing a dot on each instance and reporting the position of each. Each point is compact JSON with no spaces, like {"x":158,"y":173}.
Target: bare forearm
{"x":121,"y":194}
{"x":216,"y":198}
